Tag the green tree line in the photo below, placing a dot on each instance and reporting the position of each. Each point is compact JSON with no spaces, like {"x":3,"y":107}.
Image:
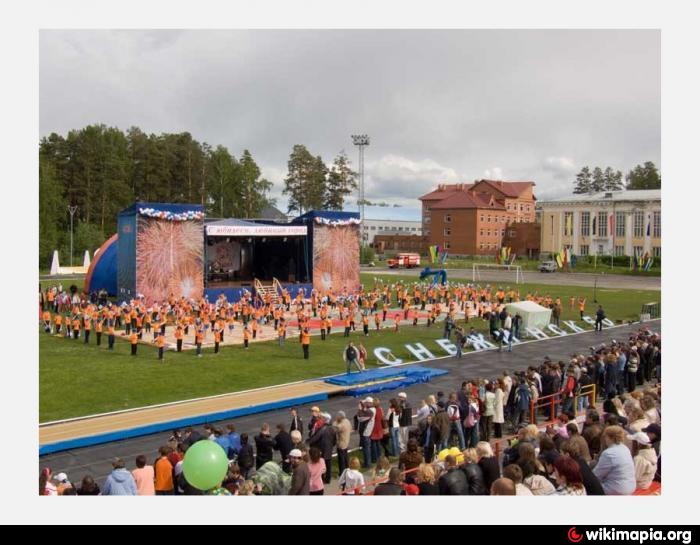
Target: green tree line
{"x":644,"y":176}
{"x":102,"y":170}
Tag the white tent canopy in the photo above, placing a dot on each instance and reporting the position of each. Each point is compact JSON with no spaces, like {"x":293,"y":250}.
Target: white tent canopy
{"x":534,"y":315}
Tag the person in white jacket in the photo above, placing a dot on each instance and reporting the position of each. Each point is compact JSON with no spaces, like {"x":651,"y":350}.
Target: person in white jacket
{"x":351,"y":480}
{"x":645,"y":459}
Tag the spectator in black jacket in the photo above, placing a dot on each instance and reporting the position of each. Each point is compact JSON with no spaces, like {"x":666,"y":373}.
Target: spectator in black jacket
{"x":246,"y":457}
{"x":264,"y":445}
{"x":192,"y":436}
{"x":283,"y":443}
{"x":454,"y":481}
{"x":324,"y":440}
{"x":488,"y":463}
{"x":393,"y":487}
{"x":297,"y":423}
{"x":475,"y":477}
{"x":405,"y":420}
{"x":429,"y":438}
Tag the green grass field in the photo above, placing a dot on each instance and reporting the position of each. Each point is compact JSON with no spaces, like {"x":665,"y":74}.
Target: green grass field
{"x":77,"y":380}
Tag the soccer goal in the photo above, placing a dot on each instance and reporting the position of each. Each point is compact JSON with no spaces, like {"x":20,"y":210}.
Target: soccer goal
{"x":480,"y":270}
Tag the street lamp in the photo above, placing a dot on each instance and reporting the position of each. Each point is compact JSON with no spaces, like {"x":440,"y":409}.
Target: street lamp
{"x":361,"y":141}
{"x":72,"y":210}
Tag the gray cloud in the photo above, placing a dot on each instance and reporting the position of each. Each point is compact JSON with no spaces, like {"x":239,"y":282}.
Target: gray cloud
{"x":439,"y":105}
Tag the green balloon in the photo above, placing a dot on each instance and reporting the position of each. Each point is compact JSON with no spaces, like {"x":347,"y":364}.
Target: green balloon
{"x":205,"y":465}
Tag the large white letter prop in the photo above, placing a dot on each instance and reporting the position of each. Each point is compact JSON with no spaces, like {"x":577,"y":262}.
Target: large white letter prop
{"x":419,"y":351}
{"x":608,"y":323}
{"x":573,"y":327}
{"x":537,"y":333}
{"x":479,"y":343}
{"x":554,"y":329}
{"x":589,"y":320}
{"x":447,"y":346}
{"x":381,"y":354}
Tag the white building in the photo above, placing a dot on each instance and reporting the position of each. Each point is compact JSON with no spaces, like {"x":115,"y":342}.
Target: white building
{"x":613,"y":223}
{"x":371,"y":228}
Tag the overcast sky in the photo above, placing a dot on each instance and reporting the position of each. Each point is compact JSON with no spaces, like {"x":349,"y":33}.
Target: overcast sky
{"x":439,"y":106}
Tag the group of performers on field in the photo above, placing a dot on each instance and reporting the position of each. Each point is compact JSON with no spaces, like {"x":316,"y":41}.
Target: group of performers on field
{"x":204,"y":321}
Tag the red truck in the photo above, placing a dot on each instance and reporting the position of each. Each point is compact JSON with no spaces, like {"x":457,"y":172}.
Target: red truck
{"x":406,"y":261}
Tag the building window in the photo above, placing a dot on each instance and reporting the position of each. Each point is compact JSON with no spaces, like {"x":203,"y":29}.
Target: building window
{"x":448,"y":232}
{"x":583,"y":249}
{"x":638,"y":250}
{"x":656,"y":251}
{"x":527,"y":208}
{"x":522,"y":207}
{"x":446,"y":245}
{"x":427,"y":220}
{"x":585,"y":224}
{"x":427,"y":232}
{"x":657,"y":225}
{"x":481,"y":246}
{"x":448,"y":218}
{"x":489,"y":220}
{"x":481,"y":233}
{"x":482,"y":218}
{"x":639,"y":224}
{"x":619,"y":250}
{"x":568,"y":224}
{"x":602,"y":224}
{"x":488,"y":233}
{"x":503,"y":232}
{"x":511,"y":233}
{"x":620,"y":220}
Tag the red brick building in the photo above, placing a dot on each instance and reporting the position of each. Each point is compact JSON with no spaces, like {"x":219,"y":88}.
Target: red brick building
{"x":471,"y":219}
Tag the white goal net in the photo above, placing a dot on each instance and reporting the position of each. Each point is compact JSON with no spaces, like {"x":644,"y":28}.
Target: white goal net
{"x":496,"y":272}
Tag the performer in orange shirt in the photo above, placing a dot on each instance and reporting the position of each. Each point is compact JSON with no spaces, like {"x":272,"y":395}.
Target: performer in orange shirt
{"x":160,"y":343}
{"x":110,"y":335}
{"x":365,"y":325}
{"x":217,"y":340}
{"x":198,"y":340}
{"x":58,"y":322}
{"x":377,"y":321}
{"x":305,"y":340}
{"x":46,"y":316}
{"x":246,"y":337}
{"x":282,"y":332}
{"x":98,"y":331}
{"x":178,"y":337}
{"x":134,"y":338}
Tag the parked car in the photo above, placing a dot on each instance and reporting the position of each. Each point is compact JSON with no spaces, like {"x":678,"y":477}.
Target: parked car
{"x":548,"y":266}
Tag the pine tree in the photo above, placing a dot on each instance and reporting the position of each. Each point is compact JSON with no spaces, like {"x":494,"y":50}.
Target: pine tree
{"x":254,"y":189}
{"x":644,"y":177}
{"x":303,"y":183}
{"x":342,"y":181}
{"x":598,"y":182}
{"x":612,"y":180}
{"x":583,"y":182}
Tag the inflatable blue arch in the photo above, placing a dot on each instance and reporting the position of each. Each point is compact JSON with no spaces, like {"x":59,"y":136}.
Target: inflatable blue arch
{"x":102,"y":273}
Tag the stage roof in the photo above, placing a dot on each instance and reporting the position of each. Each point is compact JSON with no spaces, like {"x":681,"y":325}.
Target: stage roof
{"x":242,"y":228}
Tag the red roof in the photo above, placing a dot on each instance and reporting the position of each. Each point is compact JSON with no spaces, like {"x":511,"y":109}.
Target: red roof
{"x":462,"y":199}
{"x":445,"y":190}
{"x":509,"y":189}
